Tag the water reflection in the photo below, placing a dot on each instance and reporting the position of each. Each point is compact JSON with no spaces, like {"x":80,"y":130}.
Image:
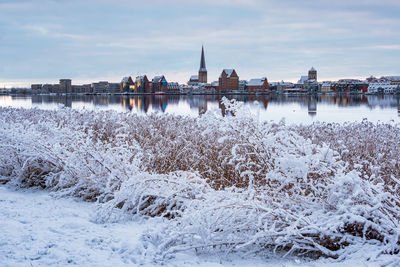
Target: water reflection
{"x":282,"y":105}
{"x":398,"y":106}
{"x":312,"y":106}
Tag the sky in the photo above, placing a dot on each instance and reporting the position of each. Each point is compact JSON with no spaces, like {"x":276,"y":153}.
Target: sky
{"x":42,"y":41}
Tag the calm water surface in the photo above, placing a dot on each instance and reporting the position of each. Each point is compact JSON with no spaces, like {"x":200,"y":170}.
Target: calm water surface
{"x":295,"y":109}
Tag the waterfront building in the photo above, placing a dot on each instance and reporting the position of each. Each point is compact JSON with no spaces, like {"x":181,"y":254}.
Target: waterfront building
{"x":309,"y":82}
{"x":203,"y":69}
{"x":382,"y":88}
{"x":51,"y":88}
{"x":114,"y":88}
{"x":312,"y":74}
{"x":326,"y":87}
{"x":173,"y":87}
{"x":394,"y":80}
{"x":36,"y":87}
{"x":349,"y":86}
{"x":228,"y":80}
{"x":282,"y":87}
{"x":302,"y":80}
{"x":258,"y":85}
{"x":142,"y":84}
{"x":81,"y":89}
{"x":100,"y":87}
{"x":311,"y":86}
{"x":159,"y":84}
{"x":194,"y":80}
{"x":215,"y":85}
{"x":125,"y":84}
{"x":243,"y":85}
{"x":65,"y":86}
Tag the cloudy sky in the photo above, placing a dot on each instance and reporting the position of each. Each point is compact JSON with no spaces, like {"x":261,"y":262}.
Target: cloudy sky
{"x":91,"y":40}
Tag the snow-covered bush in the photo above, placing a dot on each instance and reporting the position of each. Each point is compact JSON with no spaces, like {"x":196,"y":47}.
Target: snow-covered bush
{"x":225,"y":183}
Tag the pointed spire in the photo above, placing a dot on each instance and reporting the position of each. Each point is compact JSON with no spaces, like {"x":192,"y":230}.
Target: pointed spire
{"x":202,"y":60}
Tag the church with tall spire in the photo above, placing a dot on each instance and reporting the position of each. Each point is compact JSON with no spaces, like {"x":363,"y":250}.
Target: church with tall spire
{"x":202,"y":70}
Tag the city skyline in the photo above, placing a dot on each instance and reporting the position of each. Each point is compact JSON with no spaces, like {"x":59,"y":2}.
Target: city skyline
{"x":42,"y":41}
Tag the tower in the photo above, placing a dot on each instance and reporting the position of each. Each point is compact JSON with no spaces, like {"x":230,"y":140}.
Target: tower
{"x":312,"y":74}
{"x":202,"y":70}
{"x":65,"y":86}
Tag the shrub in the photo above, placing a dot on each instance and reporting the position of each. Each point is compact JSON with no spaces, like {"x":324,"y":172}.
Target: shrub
{"x":225,"y":183}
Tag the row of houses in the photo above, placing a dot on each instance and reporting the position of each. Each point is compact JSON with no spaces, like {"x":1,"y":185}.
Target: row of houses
{"x":65,"y":86}
{"x":383,"y":85}
{"x":229,"y":81}
{"x":143,"y":85}
{"x":368,"y":86}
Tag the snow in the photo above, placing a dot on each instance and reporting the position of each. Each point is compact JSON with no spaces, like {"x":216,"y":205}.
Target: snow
{"x":256,"y":82}
{"x":392,"y":78}
{"x":178,"y":190}
{"x":157,"y":79}
{"x":125,"y":80}
{"x":39,"y":229}
{"x":228,"y":72}
{"x":303,"y":79}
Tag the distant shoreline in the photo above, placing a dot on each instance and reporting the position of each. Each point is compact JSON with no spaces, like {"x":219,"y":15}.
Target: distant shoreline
{"x":199,"y":93}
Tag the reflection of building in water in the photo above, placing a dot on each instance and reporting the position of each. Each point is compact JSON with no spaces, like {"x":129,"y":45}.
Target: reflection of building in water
{"x":125,"y":103}
{"x":265,"y":101}
{"x":37,"y":99}
{"x":159,"y":102}
{"x":199,"y":102}
{"x":163,"y":104}
{"x":398,"y":106}
{"x":383,"y":101}
{"x":65,"y":100}
{"x":140,"y":103}
{"x":101,"y":100}
{"x":312,"y":106}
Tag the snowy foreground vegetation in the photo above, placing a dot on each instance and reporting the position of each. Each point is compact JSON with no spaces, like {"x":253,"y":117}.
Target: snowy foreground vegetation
{"x":225,"y":184}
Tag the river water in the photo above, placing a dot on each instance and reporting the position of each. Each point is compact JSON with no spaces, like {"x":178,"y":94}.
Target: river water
{"x":294,"y":109}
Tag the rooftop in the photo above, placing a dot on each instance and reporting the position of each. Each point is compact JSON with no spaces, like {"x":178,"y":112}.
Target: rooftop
{"x":228,"y":72}
{"x":256,"y":82}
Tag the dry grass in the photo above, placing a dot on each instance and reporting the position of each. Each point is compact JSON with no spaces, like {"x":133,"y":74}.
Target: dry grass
{"x":244,"y":185}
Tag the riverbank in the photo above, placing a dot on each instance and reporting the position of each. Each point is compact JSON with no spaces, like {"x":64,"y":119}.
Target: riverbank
{"x":206,"y":93}
{"x":39,"y":229}
{"x":220,"y":186}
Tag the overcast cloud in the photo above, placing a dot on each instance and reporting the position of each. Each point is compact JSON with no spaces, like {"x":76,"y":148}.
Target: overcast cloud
{"x":44,"y":40}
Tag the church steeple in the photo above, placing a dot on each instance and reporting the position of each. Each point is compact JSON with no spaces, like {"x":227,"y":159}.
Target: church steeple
{"x":202,"y":60}
{"x":202,"y":70}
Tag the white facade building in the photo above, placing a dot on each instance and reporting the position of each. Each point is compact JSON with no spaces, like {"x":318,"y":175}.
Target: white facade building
{"x":384,"y":87}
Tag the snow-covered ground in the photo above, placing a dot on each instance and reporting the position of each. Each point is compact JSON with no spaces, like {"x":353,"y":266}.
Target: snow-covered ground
{"x":38,"y":229}
{"x":213,"y":190}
